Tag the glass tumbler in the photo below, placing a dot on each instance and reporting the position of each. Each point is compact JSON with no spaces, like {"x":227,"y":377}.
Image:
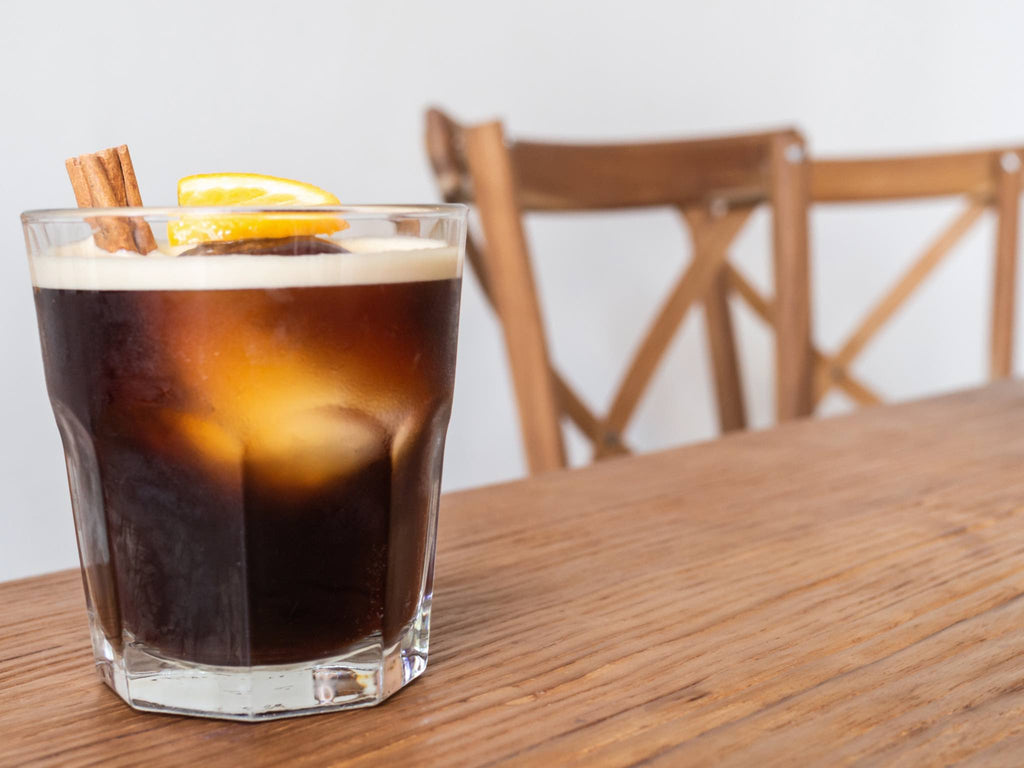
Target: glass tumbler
{"x":254,"y":433}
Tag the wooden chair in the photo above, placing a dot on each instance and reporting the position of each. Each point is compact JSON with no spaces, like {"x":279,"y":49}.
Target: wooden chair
{"x":714,"y":183}
{"x":988,"y":179}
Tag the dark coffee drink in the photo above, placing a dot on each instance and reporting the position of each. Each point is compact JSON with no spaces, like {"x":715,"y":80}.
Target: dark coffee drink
{"x":253,"y":443}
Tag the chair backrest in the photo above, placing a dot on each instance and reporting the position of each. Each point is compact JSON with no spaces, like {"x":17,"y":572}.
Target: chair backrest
{"x":989,"y":179}
{"x":715,"y":184}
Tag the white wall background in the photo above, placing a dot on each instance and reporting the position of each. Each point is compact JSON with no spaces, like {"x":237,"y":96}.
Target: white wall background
{"x":333,"y":92}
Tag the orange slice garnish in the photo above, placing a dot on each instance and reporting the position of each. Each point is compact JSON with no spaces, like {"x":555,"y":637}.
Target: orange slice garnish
{"x":254,"y":190}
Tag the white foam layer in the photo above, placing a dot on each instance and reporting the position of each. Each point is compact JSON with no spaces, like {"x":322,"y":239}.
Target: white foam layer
{"x":85,"y":266}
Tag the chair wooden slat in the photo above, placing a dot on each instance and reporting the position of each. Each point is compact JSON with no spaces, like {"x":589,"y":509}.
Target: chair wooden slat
{"x":893,"y":178}
{"x":725,"y":365}
{"x":693,"y":285}
{"x":479,"y":264}
{"x":562,"y":177}
{"x":825,"y":369}
{"x":1004,"y":289}
{"x":727,"y":379}
{"x":907,"y":284}
{"x":568,"y":400}
{"x":794,"y":353}
{"x":761,"y":306}
{"x":608,"y":443}
{"x":442,"y":139}
{"x":861,"y":394}
{"x":515,"y":295}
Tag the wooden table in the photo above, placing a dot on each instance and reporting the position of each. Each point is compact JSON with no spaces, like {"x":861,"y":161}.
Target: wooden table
{"x":826,"y":593}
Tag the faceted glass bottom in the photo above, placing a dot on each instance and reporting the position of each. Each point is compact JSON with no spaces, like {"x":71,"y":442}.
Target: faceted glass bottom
{"x":366,"y":674}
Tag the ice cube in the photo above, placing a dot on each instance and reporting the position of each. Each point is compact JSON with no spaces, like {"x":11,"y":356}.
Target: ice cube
{"x":310,"y":448}
{"x":213,"y":441}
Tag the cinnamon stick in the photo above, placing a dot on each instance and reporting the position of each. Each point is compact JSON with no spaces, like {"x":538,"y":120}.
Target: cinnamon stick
{"x":106,"y":179}
{"x":131,"y":185}
{"x":78,"y":182}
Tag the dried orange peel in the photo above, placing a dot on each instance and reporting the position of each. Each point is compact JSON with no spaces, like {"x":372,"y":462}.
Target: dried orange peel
{"x":251,"y":190}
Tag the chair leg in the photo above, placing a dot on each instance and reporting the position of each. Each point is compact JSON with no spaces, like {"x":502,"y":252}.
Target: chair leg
{"x":1004,"y":288}
{"x":724,"y":360}
{"x":794,"y":361}
{"x":510,"y":276}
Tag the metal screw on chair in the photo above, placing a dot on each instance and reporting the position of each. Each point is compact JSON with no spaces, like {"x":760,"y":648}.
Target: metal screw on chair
{"x":794,"y":154}
{"x":1010,"y":162}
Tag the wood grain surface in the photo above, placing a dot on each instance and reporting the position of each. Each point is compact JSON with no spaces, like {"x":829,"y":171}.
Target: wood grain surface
{"x":841,"y":592}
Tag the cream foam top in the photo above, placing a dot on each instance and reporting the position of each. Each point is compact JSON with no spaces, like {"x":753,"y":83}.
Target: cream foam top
{"x":85,"y":266}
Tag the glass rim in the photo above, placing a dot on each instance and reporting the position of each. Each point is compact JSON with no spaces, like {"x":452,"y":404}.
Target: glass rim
{"x":354,"y":212}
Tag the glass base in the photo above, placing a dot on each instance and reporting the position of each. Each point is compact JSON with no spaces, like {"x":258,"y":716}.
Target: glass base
{"x":365,"y":675}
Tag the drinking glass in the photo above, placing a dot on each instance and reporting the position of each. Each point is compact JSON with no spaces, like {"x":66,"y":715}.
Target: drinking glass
{"x":253,"y":433}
